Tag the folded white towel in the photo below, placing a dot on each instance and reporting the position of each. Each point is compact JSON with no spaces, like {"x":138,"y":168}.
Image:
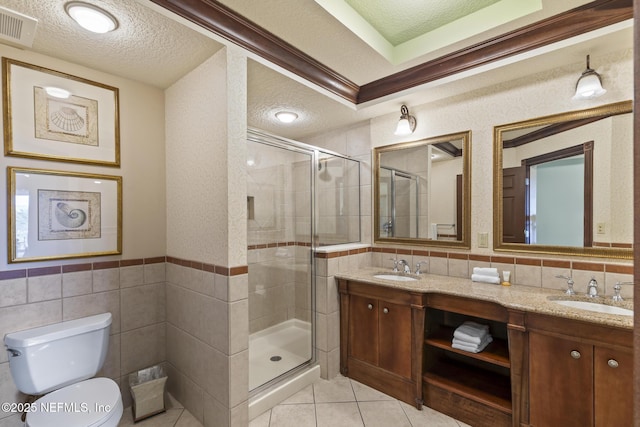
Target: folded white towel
{"x":486,"y":271}
{"x":471,"y":348}
{"x":471,"y":332}
{"x":486,"y":279}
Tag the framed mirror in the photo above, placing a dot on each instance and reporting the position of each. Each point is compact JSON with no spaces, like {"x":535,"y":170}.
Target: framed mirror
{"x":422,"y":192}
{"x":563,"y":184}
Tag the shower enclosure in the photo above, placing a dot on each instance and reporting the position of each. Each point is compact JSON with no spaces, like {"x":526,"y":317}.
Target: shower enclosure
{"x":298,"y":197}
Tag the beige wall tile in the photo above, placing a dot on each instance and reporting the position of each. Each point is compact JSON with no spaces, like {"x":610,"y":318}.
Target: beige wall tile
{"x":155,"y":273}
{"x":240,"y":415}
{"x":238,"y":378}
{"x":238,"y":326}
{"x":77,"y":283}
{"x":131,"y":276}
{"x":438,"y":265}
{"x":215,"y":413}
{"x":528,"y":275}
{"x":215,"y":374}
{"x":459,"y":268}
{"x":238,"y":287}
{"x":192,"y":397}
{"x":88,"y":305}
{"x":21,"y":317}
{"x":43,"y":288}
{"x":13,"y":292}
{"x":106,"y":280}
{"x":142,"y":348}
{"x":142,"y":306}
{"x":8,"y":391}
{"x":333,"y":331}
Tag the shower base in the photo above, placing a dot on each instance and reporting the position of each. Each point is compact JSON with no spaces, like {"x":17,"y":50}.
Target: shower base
{"x":278,"y":349}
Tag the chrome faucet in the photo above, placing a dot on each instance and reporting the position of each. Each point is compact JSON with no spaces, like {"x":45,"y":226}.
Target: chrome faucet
{"x":592,"y":288}
{"x":570,"y":282}
{"x":406,"y":268}
{"x":419,"y":265}
{"x":616,"y":291}
{"x":395,"y":264}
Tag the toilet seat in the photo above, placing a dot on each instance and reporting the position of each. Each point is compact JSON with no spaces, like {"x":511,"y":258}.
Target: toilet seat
{"x":91,"y":403}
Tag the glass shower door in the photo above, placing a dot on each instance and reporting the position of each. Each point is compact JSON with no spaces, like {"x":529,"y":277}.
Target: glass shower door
{"x":280,"y":231}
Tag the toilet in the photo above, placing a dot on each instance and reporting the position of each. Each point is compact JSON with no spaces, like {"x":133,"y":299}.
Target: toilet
{"x":61,"y":360}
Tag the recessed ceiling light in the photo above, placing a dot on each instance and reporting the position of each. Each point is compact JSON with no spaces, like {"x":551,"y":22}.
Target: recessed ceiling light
{"x":286,"y":116}
{"x":91,"y":17}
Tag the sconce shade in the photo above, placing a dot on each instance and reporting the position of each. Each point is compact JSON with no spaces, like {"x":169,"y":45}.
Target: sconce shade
{"x":406,"y":124}
{"x":589,"y":84}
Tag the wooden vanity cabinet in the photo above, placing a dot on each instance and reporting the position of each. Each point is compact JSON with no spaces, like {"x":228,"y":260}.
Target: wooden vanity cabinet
{"x":380,"y":338}
{"x":580,"y":374}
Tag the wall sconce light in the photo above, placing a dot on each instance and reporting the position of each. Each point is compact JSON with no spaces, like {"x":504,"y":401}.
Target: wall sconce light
{"x":589,"y":84}
{"x":91,"y":17}
{"x":406,"y":124}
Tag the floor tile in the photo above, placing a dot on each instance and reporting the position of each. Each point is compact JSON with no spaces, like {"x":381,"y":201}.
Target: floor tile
{"x":303,"y":396}
{"x":337,"y":390}
{"x":427,"y":417}
{"x":166,"y":419}
{"x":303,"y":415}
{"x":261,"y":420}
{"x":383,"y":414}
{"x":344,"y":414}
{"x":187,"y":420}
{"x":365,"y":393}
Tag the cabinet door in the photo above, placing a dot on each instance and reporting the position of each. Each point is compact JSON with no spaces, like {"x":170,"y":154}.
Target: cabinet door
{"x":363,"y":329}
{"x":613,"y":373}
{"x":560,"y":382}
{"x":395,"y":338}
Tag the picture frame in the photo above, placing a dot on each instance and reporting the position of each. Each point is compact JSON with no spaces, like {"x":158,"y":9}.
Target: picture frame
{"x":40,"y":123}
{"x":58,"y":215}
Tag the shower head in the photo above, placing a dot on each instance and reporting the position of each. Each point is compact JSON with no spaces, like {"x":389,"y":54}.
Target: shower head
{"x":324,"y":171}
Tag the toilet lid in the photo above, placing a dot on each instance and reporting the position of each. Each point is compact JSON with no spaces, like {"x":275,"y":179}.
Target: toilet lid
{"x":85,"y":404}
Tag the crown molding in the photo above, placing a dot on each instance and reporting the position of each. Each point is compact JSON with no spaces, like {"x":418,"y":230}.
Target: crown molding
{"x":228,"y":24}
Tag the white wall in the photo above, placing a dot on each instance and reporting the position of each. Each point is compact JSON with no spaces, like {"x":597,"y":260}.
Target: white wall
{"x":142,"y":162}
{"x":535,"y":96}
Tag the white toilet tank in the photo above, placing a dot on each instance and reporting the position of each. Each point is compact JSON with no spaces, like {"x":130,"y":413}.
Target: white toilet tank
{"x":50,"y":357}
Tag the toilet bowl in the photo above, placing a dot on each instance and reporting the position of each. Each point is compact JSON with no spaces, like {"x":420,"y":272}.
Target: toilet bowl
{"x":60,"y":360}
{"x":89,"y":403}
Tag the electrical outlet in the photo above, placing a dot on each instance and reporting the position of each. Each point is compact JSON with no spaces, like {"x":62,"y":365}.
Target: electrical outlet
{"x":483,"y":240}
{"x":601,"y":228}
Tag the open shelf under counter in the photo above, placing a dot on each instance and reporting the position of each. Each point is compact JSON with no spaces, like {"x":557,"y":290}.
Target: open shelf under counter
{"x":496,"y":353}
{"x":473,"y":395}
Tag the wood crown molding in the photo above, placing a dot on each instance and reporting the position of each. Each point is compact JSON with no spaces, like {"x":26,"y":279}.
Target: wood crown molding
{"x":219,"y":19}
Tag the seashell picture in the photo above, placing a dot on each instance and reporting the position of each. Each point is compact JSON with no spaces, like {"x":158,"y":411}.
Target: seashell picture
{"x":64,"y":215}
{"x":73,"y":120}
{"x":52,"y":115}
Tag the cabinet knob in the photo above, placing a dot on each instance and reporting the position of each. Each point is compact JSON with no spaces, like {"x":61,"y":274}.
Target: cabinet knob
{"x":385,"y":310}
{"x":370,"y":306}
{"x":575,"y":354}
{"x":612,"y":363}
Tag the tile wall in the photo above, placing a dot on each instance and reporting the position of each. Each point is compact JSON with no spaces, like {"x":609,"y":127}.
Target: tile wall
{"x":207,"y":340}
{"x":133,"y":291}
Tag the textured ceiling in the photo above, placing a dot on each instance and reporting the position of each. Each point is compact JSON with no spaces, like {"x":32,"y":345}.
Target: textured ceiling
{"x":153,"y":48}
{"x":146,"y":47}
{"x":399,"y":22}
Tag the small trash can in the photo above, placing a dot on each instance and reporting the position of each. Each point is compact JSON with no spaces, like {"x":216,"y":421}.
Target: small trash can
{"x":147,"y":389}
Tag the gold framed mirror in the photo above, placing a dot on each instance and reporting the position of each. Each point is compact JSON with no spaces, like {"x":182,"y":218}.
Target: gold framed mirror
{"x":422,"y":192}
{"x":563,"y":184}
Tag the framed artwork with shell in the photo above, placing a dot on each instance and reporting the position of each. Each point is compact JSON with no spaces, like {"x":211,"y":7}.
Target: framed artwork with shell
{"x":56,"y":215}
{"x":52,"y":115}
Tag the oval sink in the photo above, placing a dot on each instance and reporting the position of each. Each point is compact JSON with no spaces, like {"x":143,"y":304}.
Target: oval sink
{"x":395,"y":277}
{"x":592,"y":306}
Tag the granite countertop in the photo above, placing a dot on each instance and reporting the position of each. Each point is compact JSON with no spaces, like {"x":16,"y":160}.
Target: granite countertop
{"x":525,"y":298}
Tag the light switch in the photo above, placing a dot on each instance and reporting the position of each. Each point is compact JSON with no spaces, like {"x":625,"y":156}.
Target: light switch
{"x":483,"y":240}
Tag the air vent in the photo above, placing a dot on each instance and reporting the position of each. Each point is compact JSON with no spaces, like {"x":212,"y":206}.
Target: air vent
{"x":17,"y":29}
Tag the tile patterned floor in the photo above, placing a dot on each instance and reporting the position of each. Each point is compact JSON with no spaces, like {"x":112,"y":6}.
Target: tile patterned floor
{"x":340,"y":402}
{"x":343,"y":402}
{"x":175,"y":416}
